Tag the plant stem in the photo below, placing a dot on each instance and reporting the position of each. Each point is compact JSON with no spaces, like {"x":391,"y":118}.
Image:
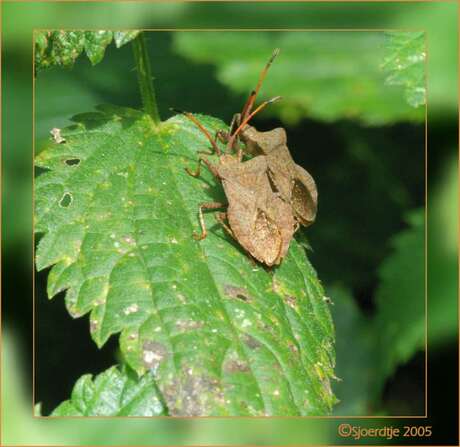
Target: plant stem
{"x":145,"y":78}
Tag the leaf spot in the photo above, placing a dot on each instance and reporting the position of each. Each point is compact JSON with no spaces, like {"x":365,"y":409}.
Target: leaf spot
{"x":240,"y":313}
{"x":233,"y":366}
{"x":129,"y":240}
{"x":251,"y":342}
{"x":153,"y":353}
{"x":56,"y":134}
{"x":246,"y":323}
{"x":133,"y":308}
{"x":293,"y":348}
{"x":185,"y":325}
{"x":291,"y":301}
{"x":93,"y":325}
{"x":237,"y":292}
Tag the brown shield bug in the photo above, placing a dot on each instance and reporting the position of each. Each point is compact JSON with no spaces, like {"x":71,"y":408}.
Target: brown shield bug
{"x":292,"y":182}
{"x":258,"y":219}
{"x":268,"y":195}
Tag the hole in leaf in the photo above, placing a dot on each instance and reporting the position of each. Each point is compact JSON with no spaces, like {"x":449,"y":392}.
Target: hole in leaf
{"x":66,"y":200}
{"x":72,"y":162}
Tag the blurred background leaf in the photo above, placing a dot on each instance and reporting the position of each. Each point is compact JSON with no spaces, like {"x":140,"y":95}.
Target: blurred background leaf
{"x":401,"y":287}
{"x":443,"y":257}
{"x":320,"y":75}
{"x":356,"y":355}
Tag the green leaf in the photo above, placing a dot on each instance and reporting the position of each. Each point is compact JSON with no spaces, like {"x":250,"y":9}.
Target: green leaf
{"x":112,"y":393}
{"x":443,"y":257}
{"x":20,"y":429}
{"x":123,"y":37}
{"x":96,"y":43}
{"x":322,"y":75}
{"x":400,"y":298}
{"x":61,"y":48}
{"x":404,"y":63}
{"x":222,"y":335}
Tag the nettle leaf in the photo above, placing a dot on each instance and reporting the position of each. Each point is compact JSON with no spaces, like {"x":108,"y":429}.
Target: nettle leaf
{"x":404,"y":64}
{"x":220,"y":334}
{"x":113,"y":393}
{"x":322,"y":75}
{"x":123,"y":37}
{"x":61,"y":48}
{"x":402,"y":287}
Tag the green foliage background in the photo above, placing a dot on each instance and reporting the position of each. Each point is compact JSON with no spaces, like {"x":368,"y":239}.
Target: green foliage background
{"x":370,"y":262}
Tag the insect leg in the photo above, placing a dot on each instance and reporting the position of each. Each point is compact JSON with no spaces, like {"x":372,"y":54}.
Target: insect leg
{"x":221,"y":217}
{"x":236,"y":120}
{"x":205,"y":152}
{"x":208,"y":164}
{"x":207,"y":206}
{"x":220,"y":135}
{"x":203,"y":129}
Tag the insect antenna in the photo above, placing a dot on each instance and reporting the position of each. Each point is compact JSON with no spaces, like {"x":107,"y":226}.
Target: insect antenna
{"x":201,"y":127}
{"x":249,"y":101}
{"x":246,"y":121}
{"x":252,"y":97}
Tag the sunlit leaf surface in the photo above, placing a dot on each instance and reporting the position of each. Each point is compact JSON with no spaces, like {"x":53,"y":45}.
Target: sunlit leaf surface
{"x":61,"y":48}
{"x":404,"y":64}
{"x":220,"y":334}
{"x":112,"y":393}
